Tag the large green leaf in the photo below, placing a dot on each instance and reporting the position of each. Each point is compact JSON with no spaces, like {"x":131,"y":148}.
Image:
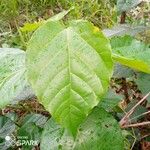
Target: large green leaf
{"x":131,"y":52}
{"x":69,"y":69}
{"x":12,"y":74}
{"x":100,"y":131}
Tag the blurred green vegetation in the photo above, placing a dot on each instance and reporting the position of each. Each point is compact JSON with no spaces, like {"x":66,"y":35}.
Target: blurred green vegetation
{"x":14,"y":13}
{"x":102,"y":13}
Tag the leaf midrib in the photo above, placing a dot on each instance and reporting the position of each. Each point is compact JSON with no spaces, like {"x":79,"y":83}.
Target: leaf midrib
{"x":69,"y":72}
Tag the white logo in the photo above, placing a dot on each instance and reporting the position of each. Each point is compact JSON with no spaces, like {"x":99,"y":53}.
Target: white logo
{"x":10,"y":140}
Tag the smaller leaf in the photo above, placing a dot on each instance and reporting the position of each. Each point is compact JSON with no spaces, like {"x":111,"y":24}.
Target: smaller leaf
{"x":131,"y":52}
{"x":55,"y":137}
{"x":12,"y":74}
{"x":99,"y":131}
{"x":143,"y":81}
{"x":29,"y":132}
{"x":12,"y":115}
{"x":7,"y":127}
{"x":121,"y":71}
{"x":125,"y":29}
{"x":111,"y":100}
{"x":30,"y":27}
{"x":126,"y":5}
{"x":37,"y":119}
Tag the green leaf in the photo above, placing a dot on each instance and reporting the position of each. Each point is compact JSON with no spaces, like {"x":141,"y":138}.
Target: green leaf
{"x":131,"y":52}
{"x":7,"y":127}
{"x":111,"y":100}
{"x":37,"y":119}
{"x":125,"y":29}
{"x":12,"y":115}
{"x":143,"y":82}
{"x":31,"y":129}
{"x":126,"y":5}
{"x":121,"y":71}
{"x":29,"y":132}
{"x":69,"y":69}
{"x":100,"y":131}
{"x":30,"y":27}
{"x":56,"y":137}
{"x":12,"y":74}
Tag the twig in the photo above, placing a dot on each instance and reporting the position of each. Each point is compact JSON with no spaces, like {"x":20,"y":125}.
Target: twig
{"x":123,"y":18}
{"x":136,"y":125}
{"x":124,"y":120}
{"x":147,"y":135}
{"x":145,"y":113}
